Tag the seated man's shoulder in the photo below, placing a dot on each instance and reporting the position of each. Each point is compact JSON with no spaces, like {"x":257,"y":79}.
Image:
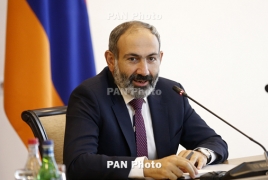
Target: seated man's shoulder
{"x":96,"y":84}
{"x":164,"y":83}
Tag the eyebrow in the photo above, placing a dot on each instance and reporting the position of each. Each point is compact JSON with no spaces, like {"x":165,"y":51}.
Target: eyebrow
{"x":136,"y":55}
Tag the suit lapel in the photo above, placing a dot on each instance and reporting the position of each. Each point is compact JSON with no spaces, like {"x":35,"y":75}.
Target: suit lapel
{"x":159,"y":116}
{"x":122,"y":115}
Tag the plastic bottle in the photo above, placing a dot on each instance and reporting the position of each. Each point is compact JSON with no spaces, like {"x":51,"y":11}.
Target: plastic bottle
{"x":49,"y":169}
{"x":33,"y":162}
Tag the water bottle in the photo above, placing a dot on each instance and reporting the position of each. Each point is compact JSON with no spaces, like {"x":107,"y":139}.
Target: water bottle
{"x":33,"y":163}
{"x":49,"y":169}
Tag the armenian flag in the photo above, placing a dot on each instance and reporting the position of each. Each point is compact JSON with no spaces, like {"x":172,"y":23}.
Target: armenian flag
{"x":48,"y":53}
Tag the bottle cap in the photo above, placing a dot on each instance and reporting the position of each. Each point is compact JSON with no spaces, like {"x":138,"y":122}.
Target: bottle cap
{"x":33,"y":141}
{"x":48,"y":142}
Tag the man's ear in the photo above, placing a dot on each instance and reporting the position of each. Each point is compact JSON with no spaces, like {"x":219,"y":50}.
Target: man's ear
{"x":110,"y":59}
{"x":161,"y":56}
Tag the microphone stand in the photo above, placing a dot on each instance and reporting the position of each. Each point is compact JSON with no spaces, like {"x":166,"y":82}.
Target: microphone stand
{"x":183,"y":93}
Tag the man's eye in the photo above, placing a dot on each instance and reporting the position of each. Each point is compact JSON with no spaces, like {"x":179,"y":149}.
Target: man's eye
{"x":152,"y":58}
{"x":132,"y":59}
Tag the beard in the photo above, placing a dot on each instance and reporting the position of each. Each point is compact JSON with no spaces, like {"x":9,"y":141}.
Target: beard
{"x":123,"y":81}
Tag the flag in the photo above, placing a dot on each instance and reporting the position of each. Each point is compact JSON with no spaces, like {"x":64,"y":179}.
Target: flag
{"x":48,"y":53}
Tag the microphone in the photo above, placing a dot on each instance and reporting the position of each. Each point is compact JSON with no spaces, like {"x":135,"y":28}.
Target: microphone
{"x":246,"y":169}
{"x":266,"y":88}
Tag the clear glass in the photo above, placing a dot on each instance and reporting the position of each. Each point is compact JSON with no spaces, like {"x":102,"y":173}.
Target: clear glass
{"x":24,"y":174}
{"x":62,"y":170}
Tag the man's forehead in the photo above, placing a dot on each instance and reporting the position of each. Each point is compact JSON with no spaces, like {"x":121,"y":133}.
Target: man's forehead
{"x":133,"y":34}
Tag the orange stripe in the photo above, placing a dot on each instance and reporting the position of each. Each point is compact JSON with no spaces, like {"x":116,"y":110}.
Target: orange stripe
{"x":27,"y":78}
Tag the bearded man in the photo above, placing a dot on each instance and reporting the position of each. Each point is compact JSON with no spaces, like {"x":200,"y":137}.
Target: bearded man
{"x":108,"y":136}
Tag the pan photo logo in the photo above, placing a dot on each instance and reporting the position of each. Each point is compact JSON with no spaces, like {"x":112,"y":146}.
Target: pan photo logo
{"x":133,"y":16}
{"x":134,"y":164}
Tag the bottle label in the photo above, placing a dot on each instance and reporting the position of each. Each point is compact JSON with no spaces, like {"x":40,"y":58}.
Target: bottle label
{"x":48,"y":152}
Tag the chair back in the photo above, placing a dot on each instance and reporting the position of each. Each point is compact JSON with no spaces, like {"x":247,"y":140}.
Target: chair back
{"x":48,"y":123}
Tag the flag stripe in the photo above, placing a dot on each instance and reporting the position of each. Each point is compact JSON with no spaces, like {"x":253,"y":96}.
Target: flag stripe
{"x":27,"y":77}
{"x":67,"y":26}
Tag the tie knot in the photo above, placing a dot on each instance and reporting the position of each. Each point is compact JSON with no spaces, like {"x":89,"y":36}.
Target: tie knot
{"x":136,"y":103}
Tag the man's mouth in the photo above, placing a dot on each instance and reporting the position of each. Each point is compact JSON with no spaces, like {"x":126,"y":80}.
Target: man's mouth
{"x":140,"y":82}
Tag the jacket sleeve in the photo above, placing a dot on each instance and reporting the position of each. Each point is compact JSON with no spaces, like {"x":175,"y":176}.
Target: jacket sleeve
{"x":196,"y":133}
{"x":83,"y":125}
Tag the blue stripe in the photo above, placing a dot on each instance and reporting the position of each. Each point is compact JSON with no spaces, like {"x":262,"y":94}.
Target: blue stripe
{"x":67,"y":26}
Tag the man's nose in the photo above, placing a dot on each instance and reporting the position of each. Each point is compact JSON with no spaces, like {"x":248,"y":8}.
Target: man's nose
{"x":143,"y":68}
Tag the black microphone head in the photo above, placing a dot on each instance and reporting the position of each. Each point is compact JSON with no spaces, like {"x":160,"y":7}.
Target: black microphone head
{"x":266,"y":88}
{"x":179,"y":91}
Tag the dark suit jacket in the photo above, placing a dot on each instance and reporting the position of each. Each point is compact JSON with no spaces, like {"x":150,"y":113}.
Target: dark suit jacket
{"x":98,"y":128}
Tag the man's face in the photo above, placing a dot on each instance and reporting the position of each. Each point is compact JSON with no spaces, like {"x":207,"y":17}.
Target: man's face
{"x":137,"y":67}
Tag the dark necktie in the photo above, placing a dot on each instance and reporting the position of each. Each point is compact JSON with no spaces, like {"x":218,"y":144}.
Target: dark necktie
{"x":140,"y":132}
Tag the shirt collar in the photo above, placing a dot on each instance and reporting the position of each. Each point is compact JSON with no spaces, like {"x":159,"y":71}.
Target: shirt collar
{"x":127,"y":98}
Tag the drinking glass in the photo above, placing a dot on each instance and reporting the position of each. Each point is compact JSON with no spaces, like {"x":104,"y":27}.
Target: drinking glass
{"x":23,"y":174}
{"x":62,"y":170}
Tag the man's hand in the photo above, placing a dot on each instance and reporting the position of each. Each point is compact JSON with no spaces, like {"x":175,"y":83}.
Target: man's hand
{"x":172,"y":167}
{"x":198,"y":159}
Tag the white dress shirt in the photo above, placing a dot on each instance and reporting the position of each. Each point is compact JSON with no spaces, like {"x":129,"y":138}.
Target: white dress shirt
{"x":138,"y":172}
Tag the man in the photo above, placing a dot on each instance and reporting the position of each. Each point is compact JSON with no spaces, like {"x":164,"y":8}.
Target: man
{"x":102,"y":134}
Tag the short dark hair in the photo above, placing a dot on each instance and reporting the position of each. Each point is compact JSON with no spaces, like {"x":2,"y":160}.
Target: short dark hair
{"x":118,"y":31}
